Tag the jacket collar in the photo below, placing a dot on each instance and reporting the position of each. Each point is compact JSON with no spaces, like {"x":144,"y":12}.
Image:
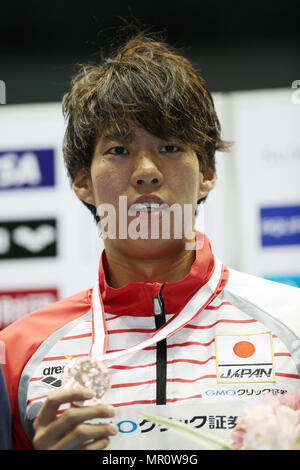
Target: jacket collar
{"x":135,"y":298}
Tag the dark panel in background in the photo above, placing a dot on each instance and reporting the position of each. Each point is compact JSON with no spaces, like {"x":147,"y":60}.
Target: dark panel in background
{"x":237,"y":45}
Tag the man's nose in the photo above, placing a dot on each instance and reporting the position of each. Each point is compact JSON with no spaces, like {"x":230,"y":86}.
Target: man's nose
{"x":146,"y":173}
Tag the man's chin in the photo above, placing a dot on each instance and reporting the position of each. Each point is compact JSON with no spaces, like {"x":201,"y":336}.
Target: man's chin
{"x":147,"y":248}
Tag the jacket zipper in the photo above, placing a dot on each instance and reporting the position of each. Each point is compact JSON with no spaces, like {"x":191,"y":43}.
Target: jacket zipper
{"x":161,"y":350}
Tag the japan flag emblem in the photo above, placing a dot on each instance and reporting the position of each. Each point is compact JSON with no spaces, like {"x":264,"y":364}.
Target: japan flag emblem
{"x":245,"y":358}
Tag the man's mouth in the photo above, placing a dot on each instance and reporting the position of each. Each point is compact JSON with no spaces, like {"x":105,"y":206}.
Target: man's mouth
{"x":147,"y":207}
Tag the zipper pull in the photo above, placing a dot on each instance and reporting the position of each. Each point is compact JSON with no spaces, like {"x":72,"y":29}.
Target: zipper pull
{"x":157,"y":306}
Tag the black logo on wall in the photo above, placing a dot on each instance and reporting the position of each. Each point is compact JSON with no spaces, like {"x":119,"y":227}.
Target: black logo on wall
{"x":28,"y":239}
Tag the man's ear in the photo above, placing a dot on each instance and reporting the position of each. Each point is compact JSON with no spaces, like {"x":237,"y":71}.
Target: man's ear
{"x":82,"y":185}
{"x":207,"y":182}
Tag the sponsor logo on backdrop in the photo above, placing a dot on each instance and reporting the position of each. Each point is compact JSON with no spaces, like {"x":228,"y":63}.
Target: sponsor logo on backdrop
{"x":26,"y":169}
{"x":2,"y":92}
{"x":28,"y":239}
{"x":291,"y":280}
{"x":280,"y":226}
{"x":282,"y":155}
{"x":296,"y":94}
{"x":16,"y":304}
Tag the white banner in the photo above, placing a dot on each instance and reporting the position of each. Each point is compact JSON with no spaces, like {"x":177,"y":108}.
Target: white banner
{"x":267,"y":176}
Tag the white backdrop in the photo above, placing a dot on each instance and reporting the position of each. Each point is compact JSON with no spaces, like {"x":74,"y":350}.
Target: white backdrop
{"x":49,"y":247}
{"x":267,"y":160}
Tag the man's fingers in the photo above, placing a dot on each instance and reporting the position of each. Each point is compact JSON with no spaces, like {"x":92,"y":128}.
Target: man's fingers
{"x":55,"y":400}
{"x":74,"y":416}
{"x":85,"y":435}
{"x":68,"y":431}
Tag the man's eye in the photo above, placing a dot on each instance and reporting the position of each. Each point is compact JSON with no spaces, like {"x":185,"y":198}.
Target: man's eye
{"x":170,"y":149}
{"x":118,"y":151}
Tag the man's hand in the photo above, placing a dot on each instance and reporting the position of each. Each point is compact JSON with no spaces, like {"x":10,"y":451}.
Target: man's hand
{"x":68,"y":431}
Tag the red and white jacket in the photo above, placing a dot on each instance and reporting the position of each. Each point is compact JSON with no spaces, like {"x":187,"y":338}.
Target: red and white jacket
{"x":229,"y":339}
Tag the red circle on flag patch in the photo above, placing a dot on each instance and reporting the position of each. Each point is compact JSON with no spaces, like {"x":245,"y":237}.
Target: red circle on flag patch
{"x":244,"y":349}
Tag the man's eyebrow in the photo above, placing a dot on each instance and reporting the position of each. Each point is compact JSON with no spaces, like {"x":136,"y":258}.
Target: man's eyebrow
{"x":115,"y":135}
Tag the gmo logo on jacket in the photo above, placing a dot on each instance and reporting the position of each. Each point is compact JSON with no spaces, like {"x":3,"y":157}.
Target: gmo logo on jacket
{"x":26,"y":169}
{"x":280,"y":225}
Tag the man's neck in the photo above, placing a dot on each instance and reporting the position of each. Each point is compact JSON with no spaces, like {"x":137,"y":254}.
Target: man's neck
{"x":171,"y":267}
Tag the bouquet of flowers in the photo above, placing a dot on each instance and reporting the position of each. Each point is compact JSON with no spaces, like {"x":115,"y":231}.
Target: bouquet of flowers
{"x":271,"y":424}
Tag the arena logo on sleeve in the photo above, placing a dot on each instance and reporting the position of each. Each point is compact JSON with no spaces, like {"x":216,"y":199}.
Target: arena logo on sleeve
{"x":280,"y":225}
{"x":27,"y":169}
{"x":28,"y":239}
{"x":15,"y":304}
{"x":245,"y":358}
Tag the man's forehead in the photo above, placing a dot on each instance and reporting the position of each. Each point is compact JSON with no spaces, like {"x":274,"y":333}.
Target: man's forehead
{"x":129,"y":132}
{"x":124,"y":134}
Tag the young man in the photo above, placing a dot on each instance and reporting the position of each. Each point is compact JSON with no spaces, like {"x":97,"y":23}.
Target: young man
{"x":181,"y":335}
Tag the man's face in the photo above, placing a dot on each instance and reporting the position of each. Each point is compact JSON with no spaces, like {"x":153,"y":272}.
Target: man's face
{"x":149,"y":171}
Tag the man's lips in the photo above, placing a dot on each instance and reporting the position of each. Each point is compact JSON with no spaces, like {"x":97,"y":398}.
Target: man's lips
{"x":147,"y":204}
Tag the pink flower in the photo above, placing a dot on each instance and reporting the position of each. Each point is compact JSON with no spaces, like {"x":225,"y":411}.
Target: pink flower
{"x":238,"y":436}
{"x":271,"y":424}
{"x":292,"y":400}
